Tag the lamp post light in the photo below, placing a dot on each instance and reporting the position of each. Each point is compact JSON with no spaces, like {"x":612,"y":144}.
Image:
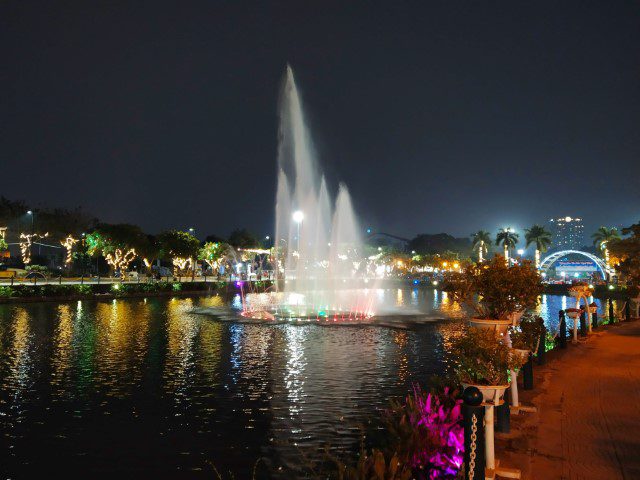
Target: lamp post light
{"x":30,"y":213}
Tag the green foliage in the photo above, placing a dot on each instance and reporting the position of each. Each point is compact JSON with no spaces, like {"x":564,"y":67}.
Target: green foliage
{"x":538,"y":236}
{"x":83,"y":289}
{"x":603,"y":236}
{"x":481,"y":240}
{"x":7,"y":292}
{"x":3,"y":245}
{"x":507,"y":238}
{"x":177,"y":286}
{"x":625,"y":253}
{"x":175,"y":243}
{"x":494,"y":290}
{"x":212,"y":252}
{"x":242,"y":238}
{"x":37,"y":269}
{"x":106,"y":238}
{"x":482,"y":358}
{"x":432,"y":244}
{"x":527,"y":334}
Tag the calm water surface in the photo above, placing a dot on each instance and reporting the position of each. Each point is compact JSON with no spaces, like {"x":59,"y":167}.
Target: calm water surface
{"x":146,"y":387}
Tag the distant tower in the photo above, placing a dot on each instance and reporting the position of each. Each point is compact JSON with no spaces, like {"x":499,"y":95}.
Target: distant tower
{"x":568,"y":233}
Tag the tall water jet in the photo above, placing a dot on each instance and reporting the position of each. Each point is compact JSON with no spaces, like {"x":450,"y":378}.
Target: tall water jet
{"x":317,"y":242}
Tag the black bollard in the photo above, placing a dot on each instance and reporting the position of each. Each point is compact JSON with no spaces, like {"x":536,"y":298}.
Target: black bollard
{"x":527,"y":374}
{"x":583,"y":324}
{"x":542,"y":348}
{"x":473,"y":419}
{"x":627,"y":311}
{"x":563,"y":330}
{"x":594,"y":319}
{"x":503,"y":415}
{"x":611,"y":317}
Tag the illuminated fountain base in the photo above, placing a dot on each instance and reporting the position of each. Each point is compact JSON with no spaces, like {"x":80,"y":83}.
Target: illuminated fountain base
{"x":300,"y":312}
{"x":347,"y":306}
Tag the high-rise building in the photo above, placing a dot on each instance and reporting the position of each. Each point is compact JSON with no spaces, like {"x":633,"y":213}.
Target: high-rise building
{"x":568,"y":233}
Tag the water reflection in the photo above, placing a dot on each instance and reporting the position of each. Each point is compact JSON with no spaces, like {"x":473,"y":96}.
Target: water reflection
{"x":174,"y":389}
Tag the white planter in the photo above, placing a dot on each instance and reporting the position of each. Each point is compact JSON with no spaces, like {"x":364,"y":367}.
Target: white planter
{"x":491,"y":394}
{"x":500,"y":326}
{"x":572,"y":313}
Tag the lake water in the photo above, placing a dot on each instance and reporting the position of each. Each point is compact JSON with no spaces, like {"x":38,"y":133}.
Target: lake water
{"x":147,"y":387}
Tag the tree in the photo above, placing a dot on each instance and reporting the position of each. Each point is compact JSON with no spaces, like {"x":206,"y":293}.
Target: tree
{"x":117,"y":243}
{"x":181,"y":247}
{"x":625,"y":252}
{"x":509,"y":239}
{"x":481,"y":241}
{"x":539,"y":236}
{"x":601,"y":238}
{"x":430,"y":244}
{"x":213,"y":253}
{"x":148,"y":249}
{"x":242,"y":238}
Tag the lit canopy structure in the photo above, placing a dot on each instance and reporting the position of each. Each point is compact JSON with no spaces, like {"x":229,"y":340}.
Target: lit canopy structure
{"x":554,"y":257}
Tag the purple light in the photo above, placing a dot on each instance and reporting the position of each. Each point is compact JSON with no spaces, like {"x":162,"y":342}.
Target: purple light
{"x":238,"y":284}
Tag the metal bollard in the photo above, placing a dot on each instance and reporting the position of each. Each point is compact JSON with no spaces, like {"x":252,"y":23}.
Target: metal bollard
{"x":563,"y":330}
{"x":542,"y":348}
{"x":503,"y":415}
{"x":583,"y":324}
{"x":627,"y":311}
{"x":611,"y":317}
{"x":473,"y":421}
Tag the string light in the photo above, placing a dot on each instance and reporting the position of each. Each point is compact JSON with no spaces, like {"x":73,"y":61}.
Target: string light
{"x":120,"y":259}
{"x":181,"y":263}
{"x":68,"y":243}
{"x":26,"y":239}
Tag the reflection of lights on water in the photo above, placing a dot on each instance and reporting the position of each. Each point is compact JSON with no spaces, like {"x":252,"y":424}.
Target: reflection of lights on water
{"x":399,"y":297}
{"x":294,"y":376}
{"x":564,"y":302}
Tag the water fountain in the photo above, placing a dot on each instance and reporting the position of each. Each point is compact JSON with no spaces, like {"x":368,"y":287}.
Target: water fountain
{"x":318,"y":247}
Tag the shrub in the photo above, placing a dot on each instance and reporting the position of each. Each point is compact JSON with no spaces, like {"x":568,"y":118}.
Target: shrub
{"x":177,"y":286}
{"x":7,"y":292}
{"x":494,"y":290}
{"x":428,"y":431}
{"x":482,"y":358}
{"x":526,"y":335}
{"x":83,"y":289}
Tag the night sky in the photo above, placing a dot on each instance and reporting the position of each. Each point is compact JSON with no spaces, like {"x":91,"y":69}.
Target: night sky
{"x":440,"y":116}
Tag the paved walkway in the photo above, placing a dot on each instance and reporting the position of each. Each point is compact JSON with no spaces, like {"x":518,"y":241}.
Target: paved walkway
{"x":588,"y":426}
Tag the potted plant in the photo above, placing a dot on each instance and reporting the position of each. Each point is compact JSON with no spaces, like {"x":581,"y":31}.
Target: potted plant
{"x":593,"y":307}
{"x":484,"y":360}
{"x":526,"y":336}
{"x":497,"y":294}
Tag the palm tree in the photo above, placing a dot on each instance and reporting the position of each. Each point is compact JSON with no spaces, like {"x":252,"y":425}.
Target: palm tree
{"x":481,"y":239}
{"x":538,"y":235}
{"x":600,"y":239}
{"x":509,"y":239}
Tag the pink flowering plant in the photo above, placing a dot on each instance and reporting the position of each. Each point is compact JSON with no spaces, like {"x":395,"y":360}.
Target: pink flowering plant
{"x":428,"y":430}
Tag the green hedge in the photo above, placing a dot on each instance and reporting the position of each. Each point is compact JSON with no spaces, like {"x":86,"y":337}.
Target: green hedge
{"x":117,"y":289}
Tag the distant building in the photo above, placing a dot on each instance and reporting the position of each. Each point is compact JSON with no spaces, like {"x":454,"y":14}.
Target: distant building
{"x":568,"y":233}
